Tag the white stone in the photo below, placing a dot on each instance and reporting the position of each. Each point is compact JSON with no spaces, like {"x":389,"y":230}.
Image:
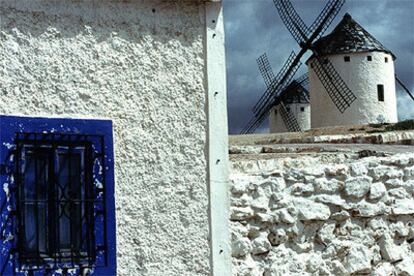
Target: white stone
{"x":338,"y":268}
{"x":261,"y":244}
{"x":357,"y":186}
{"x":377,"y":190}
{"x":340,"y":216}
{"x":399,"y":229}
{"x":365,"y":209}
{"x":384,"y":269}
{"x":389,"y":250}
{"x":337,"y":170}
{"x":239,"y":186}
{"x":240,"y":246}
{"x":403,"y":207}
{"x":358,"y":259}
{"x":406,"y":267}
{"x":278,"y":236}
{"x":301,"y":189}
{"x":399,"y":193}
{"x":285,"y":216}
{"x":310,"y":210}
{"x":326,"y":232}
{"x":241,"y":213}
{"x":385,"y":172}
{"x":331,"y":186}
{"x":358,"y":169}
{"x":409,"y":173}
{"x":330,"y":200}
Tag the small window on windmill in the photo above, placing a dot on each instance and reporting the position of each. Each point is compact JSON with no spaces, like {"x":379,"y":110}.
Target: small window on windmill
{"x":302,"y":109}
{"x":275,"y":111}
{"x":288,"y":109}
{"x":347,"y":58}
{"x":380,"y":89}
{"x":369,"y":58}
{"x":386,"y":59}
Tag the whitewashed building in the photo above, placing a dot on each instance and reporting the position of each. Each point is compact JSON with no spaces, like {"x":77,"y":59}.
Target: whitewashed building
{"x":113,"y":138}
{"x":293,"y":111}
{"x":366,"y":66}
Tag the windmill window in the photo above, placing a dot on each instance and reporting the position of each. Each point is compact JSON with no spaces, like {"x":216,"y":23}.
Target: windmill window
{"x":302,"y":109}
{"x":347,"y":58}
{"x":369,"y":58}
{"x":380,"y":90}
{"x":386,"y":59}
{"x":288,"y":109}
{"x":61,"y":185}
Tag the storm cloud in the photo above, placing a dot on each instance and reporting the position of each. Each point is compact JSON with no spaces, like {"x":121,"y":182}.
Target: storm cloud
{"x":254,"y":27}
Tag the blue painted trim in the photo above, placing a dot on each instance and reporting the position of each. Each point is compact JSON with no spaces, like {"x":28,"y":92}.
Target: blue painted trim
{"x":9,"y":126}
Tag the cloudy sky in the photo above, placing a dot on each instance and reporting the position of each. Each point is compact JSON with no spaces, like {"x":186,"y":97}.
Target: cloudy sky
{"x":254,"y":27}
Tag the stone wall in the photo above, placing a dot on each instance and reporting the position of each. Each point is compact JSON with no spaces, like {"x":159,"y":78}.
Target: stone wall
{"x":325,"y":214}
{"x":140,"y":64}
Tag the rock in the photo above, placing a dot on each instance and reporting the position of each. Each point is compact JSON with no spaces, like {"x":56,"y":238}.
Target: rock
{"x":340,"y":216}
{"x":384,"y":172}
{"x":310,"y":210}
{"x":336,"y":170}
{"x":239,"y":186}
{"x":403,"y":207}
{"x":377,"y":191}
{"x":358,"y":186}
{"x":358,"y":169}
{"x":241,"y":213}
{"x":301,"y":189}
{"x":277,"y":237}
{"x":323,"y":185}
{"x":263,"y":217}
{"x":261,"y":244}
{"x":285,"y":216}
{"x":399,"y":193}
{"x":240,"y":246}
{"x":238,"y":228}
{"x":326,"y":232}
{"x":330,"y":199}
{"x":384,"y":269}
{"x":365,"y":209}
{"x":399,"y":229}
{"x":409,"y":173}
{"x":316,"y":171}
{"x":358,"y":260}
{"x":389,"y":250}
{"x":406,"y":267}
{"x":338,"y":268}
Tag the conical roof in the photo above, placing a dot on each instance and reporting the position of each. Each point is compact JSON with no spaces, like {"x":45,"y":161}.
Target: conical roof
{"x":349,"y":37}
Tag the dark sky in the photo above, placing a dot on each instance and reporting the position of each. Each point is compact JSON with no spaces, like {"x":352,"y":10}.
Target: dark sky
{"x":254,"y":27}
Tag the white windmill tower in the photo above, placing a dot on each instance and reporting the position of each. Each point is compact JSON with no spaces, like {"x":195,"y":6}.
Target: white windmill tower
{"x":366,"y":66}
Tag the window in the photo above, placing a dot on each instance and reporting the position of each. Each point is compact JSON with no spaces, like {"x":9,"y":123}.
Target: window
{"x":386,"y":59}
{"x":288,"y":109}
{"x":369,"y":58}
{"x":302,"y":109}
{"x":62,"y":202}
{"x":380,"y":89}
{"x":275,"y":111}
{"x":347,"y":58}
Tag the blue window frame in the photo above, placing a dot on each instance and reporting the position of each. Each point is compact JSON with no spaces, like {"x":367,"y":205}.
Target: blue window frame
{"x":57,"y":202}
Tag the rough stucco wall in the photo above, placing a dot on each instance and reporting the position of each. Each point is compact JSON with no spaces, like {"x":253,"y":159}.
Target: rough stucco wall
{"x":327,"y":214}
{"x":276,"y":123}
{"x":362,"y":77}
{"x":143,"y":70}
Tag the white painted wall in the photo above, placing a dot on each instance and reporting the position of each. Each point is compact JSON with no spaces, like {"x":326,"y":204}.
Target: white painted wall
{"x":143,"y":65}
{"x":362,"y":77}
{"x":276,"y":124}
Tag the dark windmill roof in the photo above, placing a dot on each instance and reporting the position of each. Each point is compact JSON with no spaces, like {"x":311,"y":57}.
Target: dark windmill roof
{"x":349,"y":37}
{"x":295,"y":93}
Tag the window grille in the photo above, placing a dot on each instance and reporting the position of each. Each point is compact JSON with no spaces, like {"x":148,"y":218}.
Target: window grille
{"x":60,"y":201}
{"x":347,"y":58}
{"x":369,"y":58}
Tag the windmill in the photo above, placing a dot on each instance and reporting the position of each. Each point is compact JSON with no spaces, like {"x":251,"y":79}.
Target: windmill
{"x":305,"y":36}
{"x":284,"y":115}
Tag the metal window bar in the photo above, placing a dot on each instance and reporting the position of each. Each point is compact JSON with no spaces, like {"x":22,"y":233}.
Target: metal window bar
{"x":83,"y":248}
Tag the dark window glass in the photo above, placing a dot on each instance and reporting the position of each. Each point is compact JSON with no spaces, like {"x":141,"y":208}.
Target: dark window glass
{"x":347,"y":58}
{"x":302,"y":109}
{"x":380,"y":89}
{"x":288,"y":109}
{"x":386,"y":59}
{"x":369,"y":58}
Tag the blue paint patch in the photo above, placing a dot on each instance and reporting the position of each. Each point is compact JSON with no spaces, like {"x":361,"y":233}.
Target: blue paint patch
{"x":104,"y":229}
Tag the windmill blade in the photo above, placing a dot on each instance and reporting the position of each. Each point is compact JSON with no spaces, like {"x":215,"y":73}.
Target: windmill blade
{"x":292,"y":21}
{"x":289,"y":119}
{"x":325,"y":18}
{"x":265,"y":69}
{"x":334,"y":85}
{"x":274,"y":95}
{"x":404,"y":87}
{"x":292,"y":62}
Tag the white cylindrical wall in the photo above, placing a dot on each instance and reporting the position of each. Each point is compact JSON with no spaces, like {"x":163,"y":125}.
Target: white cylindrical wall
{"x":276,"y":124}
{"x":362,"y":77}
